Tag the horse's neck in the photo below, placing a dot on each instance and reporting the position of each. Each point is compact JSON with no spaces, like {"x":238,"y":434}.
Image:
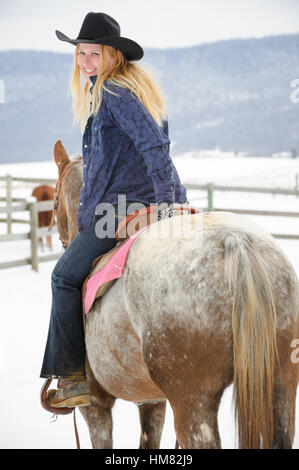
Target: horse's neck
{"x":71,"y":188}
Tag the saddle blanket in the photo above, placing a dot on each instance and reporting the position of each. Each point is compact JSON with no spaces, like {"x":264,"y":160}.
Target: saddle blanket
{"x":112,"y":270}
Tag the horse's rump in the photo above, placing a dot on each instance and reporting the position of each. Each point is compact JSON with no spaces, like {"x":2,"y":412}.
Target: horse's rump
{"x":185,"y":313}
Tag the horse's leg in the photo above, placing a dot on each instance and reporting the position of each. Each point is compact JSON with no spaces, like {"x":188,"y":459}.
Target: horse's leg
{"x":284,"y":399}
{"x":196,"y":422}
{"x":49,"y":241}
{"x":41,"y":243}
{"x":284,"y":416}
{"x":98,"y":415}
{"x":192,"y":370}
{"x":152,"y":416}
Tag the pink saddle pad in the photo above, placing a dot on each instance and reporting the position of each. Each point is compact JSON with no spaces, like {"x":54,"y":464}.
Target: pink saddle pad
{"x":113,"y":270}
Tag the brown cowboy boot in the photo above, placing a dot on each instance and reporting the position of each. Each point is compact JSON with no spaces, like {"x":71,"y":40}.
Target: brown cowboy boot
{"x":71,"y":392}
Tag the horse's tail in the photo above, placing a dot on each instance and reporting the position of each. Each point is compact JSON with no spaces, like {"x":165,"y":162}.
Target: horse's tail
{"x":254,"y":340}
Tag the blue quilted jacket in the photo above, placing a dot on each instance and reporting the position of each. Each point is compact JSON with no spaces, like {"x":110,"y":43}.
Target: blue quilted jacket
{"x":125,"y":152}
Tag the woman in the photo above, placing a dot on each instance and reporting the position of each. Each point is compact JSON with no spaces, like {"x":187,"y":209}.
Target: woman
{"x":125,"y":152}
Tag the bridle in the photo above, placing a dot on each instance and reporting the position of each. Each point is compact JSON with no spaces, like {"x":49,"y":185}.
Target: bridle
{"x":64,"y":167}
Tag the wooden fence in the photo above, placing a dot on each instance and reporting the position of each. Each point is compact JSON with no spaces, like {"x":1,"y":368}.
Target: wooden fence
{"x":32,"y":207}
{"x":211,"y":188}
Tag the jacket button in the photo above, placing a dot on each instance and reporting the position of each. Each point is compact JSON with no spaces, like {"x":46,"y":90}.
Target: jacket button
{"x":85,"y":146}
{"x":81,"y":203}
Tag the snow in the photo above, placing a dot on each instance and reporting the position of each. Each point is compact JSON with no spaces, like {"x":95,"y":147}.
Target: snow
{"x":26,"y":300}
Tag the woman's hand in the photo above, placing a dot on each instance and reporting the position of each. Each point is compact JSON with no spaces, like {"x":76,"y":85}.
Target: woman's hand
{"x":165,"y":210}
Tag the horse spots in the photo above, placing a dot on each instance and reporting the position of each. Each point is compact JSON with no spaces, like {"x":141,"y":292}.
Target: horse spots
{"x":104,"y":433}
{"x":206,"y":432}
{"x":200,"y":437}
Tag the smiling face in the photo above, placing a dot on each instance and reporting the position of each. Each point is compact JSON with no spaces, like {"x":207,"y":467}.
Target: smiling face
{"x":90,"y":58}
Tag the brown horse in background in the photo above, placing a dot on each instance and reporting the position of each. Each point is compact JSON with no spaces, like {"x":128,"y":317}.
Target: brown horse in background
{"x":214,"y":304}
{"x":44,"y":193}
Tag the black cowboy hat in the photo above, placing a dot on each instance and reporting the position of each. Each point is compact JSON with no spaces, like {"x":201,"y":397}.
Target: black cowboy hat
{"x":99,"y":28}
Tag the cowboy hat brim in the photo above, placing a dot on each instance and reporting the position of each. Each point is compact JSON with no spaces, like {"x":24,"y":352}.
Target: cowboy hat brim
{"x":130,"y":49}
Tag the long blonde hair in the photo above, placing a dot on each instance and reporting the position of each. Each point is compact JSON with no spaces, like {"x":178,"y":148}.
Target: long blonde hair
{"x":124,"y":74}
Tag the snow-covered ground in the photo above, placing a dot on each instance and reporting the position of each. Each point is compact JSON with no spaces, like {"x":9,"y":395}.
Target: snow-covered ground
{"x":26,"y":298}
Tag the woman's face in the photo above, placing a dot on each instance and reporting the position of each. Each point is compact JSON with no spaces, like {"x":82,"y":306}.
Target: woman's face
{"x":89,"y":59}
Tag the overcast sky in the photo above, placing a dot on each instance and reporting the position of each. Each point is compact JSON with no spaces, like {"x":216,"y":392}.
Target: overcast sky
{"x":30,"y":24}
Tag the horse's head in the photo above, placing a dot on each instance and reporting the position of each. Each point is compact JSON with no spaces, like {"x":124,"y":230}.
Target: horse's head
{"x":67,"y":193}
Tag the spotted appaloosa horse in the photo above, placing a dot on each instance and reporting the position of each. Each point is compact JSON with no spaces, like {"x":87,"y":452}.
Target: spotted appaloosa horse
{"x":44,"y":193}
{"x":213,"y":304}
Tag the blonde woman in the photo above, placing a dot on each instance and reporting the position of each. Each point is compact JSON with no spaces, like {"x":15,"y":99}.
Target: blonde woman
{"x":125,"y":152}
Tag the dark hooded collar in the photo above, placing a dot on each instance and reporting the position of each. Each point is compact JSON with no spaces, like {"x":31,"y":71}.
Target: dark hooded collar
{"x":93,"y":79}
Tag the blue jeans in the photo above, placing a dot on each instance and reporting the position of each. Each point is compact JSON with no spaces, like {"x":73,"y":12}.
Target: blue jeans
{"x":65,"y":348}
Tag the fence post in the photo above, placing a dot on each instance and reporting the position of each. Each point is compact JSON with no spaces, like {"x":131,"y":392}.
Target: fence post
{"x":9,"y":201}
{"x":210,"y":187}
{"x":33,"y":234}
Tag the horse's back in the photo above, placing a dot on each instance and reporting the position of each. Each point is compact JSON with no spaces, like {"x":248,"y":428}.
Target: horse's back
{"x":44,"y":193}
{"x":177,"y":265}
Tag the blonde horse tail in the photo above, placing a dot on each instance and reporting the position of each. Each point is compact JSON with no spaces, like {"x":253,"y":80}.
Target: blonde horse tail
{"x":254,"y":341}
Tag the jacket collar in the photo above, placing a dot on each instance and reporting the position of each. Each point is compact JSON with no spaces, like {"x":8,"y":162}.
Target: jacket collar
{"x":93,"y":78}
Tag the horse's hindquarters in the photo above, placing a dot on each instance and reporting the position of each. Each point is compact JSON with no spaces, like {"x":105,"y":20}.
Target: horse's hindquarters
{"x":114,"y":350}
{"x":177,"y":298}
{"x":178,"y":295}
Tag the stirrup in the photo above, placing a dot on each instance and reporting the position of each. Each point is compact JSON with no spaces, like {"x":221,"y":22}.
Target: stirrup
{"x":46,"y":405}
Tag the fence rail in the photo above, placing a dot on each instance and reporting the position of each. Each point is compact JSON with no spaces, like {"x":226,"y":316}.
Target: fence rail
{"x":211,"y":188}
{"x":243,"y":189}
{"x":28,"y":180}
{"x":31,"y":206}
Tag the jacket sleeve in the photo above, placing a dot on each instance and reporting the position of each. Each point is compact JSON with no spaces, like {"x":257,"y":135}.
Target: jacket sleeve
{"x":129,"y":114}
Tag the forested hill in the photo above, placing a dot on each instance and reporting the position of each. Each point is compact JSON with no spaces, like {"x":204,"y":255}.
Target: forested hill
{"x":234,"y":95}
